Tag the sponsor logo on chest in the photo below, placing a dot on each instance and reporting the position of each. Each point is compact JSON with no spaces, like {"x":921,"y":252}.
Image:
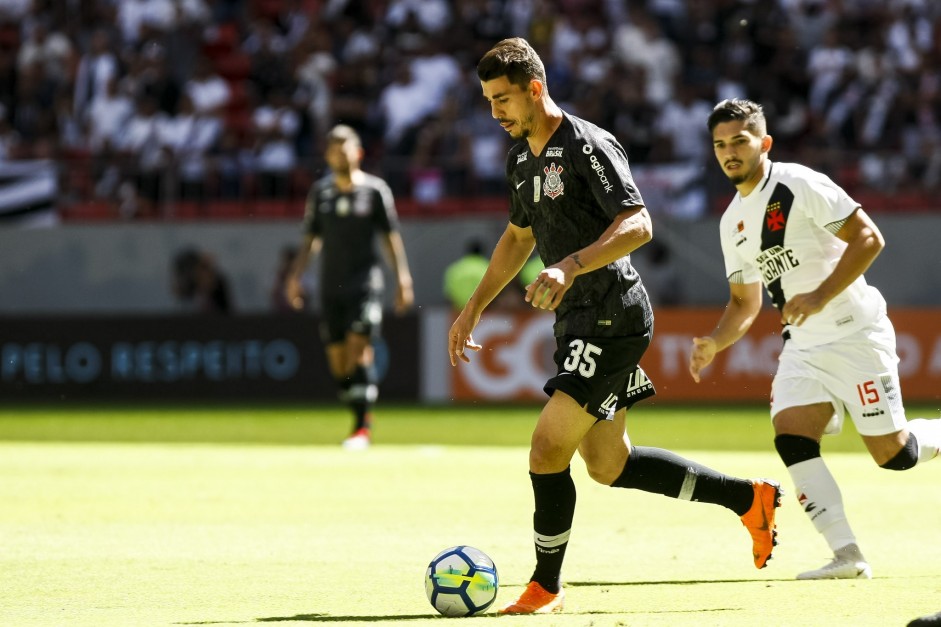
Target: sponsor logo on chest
{"x":775,"y":262}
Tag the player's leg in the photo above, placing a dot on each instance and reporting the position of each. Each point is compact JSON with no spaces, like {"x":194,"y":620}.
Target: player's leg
{"x":868,"y":381}
{"x":363,"y":390}
{"x":333,"y":328}
{"x":561,"y":425}
{"x":611,"y":460}
{"x":339,"y":363}
{"x":933,"y":620}
{"x":798,"y":431}
{"x":363,"y":320}
{"x":808,"y":402}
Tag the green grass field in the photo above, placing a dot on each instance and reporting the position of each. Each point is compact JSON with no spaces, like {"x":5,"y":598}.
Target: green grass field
{"x":117,"y":516}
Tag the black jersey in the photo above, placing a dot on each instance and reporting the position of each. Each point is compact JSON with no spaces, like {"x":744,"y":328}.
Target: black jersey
{"x":348,"y":223}
{"x":569,"y":195}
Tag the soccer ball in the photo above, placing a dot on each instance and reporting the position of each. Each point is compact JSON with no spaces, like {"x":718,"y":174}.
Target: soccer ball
{"x":461,"y":581}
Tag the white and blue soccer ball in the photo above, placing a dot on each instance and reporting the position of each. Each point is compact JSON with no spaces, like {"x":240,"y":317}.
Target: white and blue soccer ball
{"x":461,"y":581}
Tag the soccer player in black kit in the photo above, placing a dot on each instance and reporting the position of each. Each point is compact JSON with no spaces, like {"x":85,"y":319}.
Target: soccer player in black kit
{"x":573,"y":198}
{"x":346,"y":211}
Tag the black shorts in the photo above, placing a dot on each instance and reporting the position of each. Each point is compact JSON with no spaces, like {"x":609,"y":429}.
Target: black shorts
{"x":344,"y":315}
{"x":601,"y":373}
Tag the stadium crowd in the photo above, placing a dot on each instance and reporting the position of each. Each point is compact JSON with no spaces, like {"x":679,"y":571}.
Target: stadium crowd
{"x":150,"y":102}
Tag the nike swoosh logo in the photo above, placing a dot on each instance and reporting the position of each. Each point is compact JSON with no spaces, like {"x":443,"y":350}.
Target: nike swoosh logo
{"x":520,"y":184}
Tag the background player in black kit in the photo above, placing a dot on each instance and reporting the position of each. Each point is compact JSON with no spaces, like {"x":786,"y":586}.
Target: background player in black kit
{"x":574,"y":199}
{"x":346,"y":210}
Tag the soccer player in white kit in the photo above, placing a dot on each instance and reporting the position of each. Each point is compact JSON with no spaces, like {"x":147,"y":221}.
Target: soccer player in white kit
{"x":795,"y":232}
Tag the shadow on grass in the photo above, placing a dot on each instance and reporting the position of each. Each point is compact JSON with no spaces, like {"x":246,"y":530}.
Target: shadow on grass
{"x":671,"y":582}
{"x":327,"y":618}
{"x":330,"y":618}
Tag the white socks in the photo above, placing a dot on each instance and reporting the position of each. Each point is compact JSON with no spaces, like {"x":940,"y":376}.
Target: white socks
{"x":820,"y":497}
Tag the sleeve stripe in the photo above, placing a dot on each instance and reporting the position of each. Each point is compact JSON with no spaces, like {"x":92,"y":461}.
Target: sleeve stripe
{"x":833,"y":227}
{"x":737,"y":277}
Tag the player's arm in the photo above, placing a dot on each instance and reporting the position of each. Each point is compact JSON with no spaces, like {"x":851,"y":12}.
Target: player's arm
{"x":864,"y":243}
{"x":741,"y":311}
{"x":509,"y":255}
{"x":395,"y":249}
{"x":293,"y":287}
{"x":629,"y":230}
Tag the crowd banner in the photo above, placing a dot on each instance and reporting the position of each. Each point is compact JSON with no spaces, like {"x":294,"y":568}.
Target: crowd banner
{"x":516,"y":358}
{"x":191,"y":357}
{"x":28,"y":191}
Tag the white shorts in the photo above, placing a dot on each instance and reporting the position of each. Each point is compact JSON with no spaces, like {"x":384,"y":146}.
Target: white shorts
{"x":857,"y":374}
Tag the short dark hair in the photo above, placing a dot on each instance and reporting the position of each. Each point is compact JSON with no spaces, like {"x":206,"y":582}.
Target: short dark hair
{"x":513,"y":58}
{"x":341,"y":133}
{"x":733,"y":109}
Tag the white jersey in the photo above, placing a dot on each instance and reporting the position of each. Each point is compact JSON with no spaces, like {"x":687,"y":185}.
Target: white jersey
{"x":782,"y":234}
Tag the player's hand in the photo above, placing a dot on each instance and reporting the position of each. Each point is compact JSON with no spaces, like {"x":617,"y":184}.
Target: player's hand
{"x":704,"y":351}
{"x":800,"y":307}
{"x":294,"y":293}
{"x":547,"y":289}
{"x":459,"y":337}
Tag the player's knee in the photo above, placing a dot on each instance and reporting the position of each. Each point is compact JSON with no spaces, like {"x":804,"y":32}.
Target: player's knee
{"x":546,"y":456}
{"x":794,"y":449}
{"x":605,"y":474}
{"x":907,"y":456}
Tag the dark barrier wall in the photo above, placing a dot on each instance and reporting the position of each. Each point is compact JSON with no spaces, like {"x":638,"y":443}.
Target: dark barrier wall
{"x":183,"y":357}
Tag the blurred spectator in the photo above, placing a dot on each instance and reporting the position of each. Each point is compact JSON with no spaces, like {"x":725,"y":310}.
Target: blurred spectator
{"x":314,"y":77}
{"x":208,"y":91}
{"x":641,"y":42}
{"x":417,"y":91}
{"x":401,"y":110}
{"x":681,"y":135}
{"x":155,"y":79}
{"x":268,"y":50}
{"x":14,"y":10}
{"x":33,"y":113}
{"x":846,"y":84}
{"x":144,"y":160}
{"x":97,"y":68}
{"x":431,"y":16}
{"x":198,"y":285}
{"x":442,"y":154}
{"x":104,"y":122}
{"x":138,"y":19}
{"x":488,"y":147}
{"x":189,"y":137}
{"x":276,"y":125}
{"x":52,"y":49}
{"x":828,"y":64}
{"x":9,"y":138}
{"x":232,"y":161}
{"x":69,"y":129}
{"x":105,"y":117}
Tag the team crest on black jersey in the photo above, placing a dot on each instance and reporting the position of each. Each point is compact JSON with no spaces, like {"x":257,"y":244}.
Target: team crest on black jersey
{"x":553,"y":185}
